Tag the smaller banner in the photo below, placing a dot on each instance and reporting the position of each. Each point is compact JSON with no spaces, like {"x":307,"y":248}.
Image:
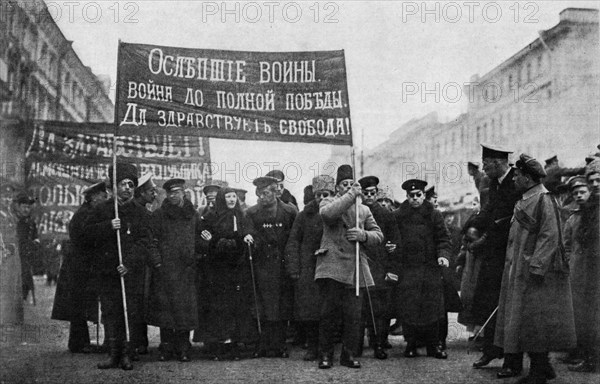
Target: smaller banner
{"x":273,"y":96}
{"x":63,"y":159}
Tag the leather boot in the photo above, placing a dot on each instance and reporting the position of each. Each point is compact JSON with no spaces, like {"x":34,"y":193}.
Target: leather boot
{"x":433,"y":350}
{"x":411,"y":349}
{"x":379,"y":352}
{"x":347,"y":360}
{"x":125,"y":362}
{"x":326,"y":360}
{"x":114,"y":356}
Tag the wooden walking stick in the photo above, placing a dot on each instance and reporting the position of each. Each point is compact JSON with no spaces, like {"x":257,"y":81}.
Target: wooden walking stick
{"x":482,"y":328}
{"x":254,"y":288}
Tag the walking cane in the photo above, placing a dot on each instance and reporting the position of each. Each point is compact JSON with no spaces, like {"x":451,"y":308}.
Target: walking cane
{"x":370,"y":306}
{"x":254,"y":288}
{"x":98,"y":327}
{"x":481,"y":329}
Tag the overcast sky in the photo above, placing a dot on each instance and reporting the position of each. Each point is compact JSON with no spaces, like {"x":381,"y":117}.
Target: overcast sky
{"x":388,"y":44}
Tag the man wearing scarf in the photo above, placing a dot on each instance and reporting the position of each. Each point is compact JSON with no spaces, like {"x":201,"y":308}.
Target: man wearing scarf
{"x":136,"y":242}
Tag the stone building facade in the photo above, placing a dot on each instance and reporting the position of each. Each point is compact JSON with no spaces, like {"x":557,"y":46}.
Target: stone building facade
{"x":544,"y":101}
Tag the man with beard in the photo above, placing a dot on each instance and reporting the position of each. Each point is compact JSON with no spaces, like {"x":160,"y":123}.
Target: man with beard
{"x":271,"y":221}
{"x":493,"y":221}
{"x":535,"y":313}
{"x":136,"y":241}
{"x":425,"y":247}
{"x":382,"y":261}
{"x":282,"y":193}
{"x":336,"y":267}
{"x":75,"y":292}
{"x":586,"y":286}
{"x":173,"y":302}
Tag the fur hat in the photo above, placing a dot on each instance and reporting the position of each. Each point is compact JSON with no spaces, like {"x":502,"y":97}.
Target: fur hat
{"x":323,"y":183}
{"x":344,"y":172}
{"x":124,"y":171}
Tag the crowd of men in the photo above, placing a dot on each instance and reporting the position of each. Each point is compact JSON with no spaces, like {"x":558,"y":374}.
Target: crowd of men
{"x":529,"y":262}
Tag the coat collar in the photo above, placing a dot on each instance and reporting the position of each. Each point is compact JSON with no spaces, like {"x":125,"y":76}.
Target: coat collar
{"x":534,"y":191}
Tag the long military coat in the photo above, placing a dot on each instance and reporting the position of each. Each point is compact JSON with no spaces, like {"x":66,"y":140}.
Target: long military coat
{"x":424,"y":238}
{"x":581,"y":238}
{"x":535,"y":317}
{"x":271,"y":233}
{"x":173,"y":302}
{"x":494,"y":220}
{"x":304,"y":240}
{"x":75,"y":297}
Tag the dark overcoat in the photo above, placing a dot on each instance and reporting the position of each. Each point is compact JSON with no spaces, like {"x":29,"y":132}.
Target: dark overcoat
{"x":301,"y":261}
{"x":136,"y":245}
{"x":76,"y":297}
{"x":419,"y":296}
{"x":381,"y":262}
{"x":28,"y":250}
{"x":494,"y":221}
{"x":271,"y":233}
{"x":584,"y":250}
{"x":172,"y":301}
{"x":227,"y":288}
{"x":532,"y":316}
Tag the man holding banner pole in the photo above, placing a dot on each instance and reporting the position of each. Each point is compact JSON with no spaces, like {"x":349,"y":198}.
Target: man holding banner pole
{"x":123,"y":241}
{"x":336,"y":270}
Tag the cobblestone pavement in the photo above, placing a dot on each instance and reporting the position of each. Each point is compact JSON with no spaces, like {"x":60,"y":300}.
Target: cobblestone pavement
{"x":36,"y":352}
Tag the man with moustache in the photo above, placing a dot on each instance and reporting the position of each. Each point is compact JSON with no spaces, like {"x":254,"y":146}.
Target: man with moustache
{"x":271,"y":221}
{"x":336,"y":267}
{"x":282,"y":193}
{"x":136,"y":242}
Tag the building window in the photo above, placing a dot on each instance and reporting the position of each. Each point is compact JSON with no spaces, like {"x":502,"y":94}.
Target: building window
{"x":540,"y":61}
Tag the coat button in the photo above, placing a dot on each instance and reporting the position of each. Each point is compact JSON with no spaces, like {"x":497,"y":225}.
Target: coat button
{"x":341,"y":249}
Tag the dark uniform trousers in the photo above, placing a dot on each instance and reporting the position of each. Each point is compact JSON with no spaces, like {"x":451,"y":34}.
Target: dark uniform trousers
{"x":112,"y":309}
{"x":428,"y":333}
{"x":272,"y":338}
{"x":172,"y":340}
{"x":339,"y":301}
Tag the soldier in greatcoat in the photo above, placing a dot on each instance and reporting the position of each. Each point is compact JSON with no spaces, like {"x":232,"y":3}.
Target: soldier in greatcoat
{"x":336,"y":267}
{"x":136,"y":242}
{"x":383,"y":259}
{"x":585,"y":276}
{"x":76,"y":292}
{"x":172,"y":304}
{"x":535,"y":313}
{"x":304,"y":240}
{"x":424,"y":250}
{"x":271,"y":221}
